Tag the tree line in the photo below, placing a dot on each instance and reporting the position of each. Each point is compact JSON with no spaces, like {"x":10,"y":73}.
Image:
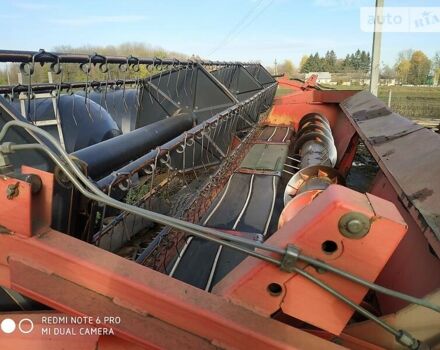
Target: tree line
{"x":411,"y":66}
{"x":414,"y":67}
{"x":358,"y":61}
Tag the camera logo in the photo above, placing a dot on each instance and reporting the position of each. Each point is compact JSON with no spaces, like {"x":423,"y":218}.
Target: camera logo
{"x":25,"y":325}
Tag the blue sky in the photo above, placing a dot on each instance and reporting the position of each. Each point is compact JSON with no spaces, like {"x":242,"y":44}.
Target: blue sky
{"x":223,"y":29}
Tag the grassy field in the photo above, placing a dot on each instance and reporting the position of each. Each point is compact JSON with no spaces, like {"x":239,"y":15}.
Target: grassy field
{"x":415,"y":102}
{"x":282,"y":91}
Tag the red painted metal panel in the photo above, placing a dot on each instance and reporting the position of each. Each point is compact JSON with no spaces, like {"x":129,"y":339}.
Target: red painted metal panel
{"x":15,"y":213}
{"x":315,"y":224}
{"x":65,"y":261}
{"x":407,"y":153}
{"x":412,"y":269}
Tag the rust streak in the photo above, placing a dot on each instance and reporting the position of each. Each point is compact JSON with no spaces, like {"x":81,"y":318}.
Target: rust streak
{"x":421,"y":195}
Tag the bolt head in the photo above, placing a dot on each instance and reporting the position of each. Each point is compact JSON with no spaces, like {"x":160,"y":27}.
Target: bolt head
{"x":354,"y":226}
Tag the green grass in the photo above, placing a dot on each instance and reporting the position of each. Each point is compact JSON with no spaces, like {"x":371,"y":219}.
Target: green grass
{"x":282,"y":91}
{"x":416,"y":102}
{"x":413,"y":101}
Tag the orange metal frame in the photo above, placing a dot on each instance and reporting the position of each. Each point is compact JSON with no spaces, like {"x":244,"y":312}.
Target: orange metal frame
{"x":309,"y":228}
{"x":156,"y":311}
{"x":76,"y":278}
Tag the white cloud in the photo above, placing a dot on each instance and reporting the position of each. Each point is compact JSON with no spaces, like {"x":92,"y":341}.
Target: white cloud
{"x":93,"y":20}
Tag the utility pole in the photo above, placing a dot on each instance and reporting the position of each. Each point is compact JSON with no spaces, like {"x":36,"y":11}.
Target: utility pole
{"x":276,"y":67}
{"x":377,"y":40}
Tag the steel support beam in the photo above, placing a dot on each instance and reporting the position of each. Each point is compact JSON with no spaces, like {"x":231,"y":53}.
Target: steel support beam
{"x":55,"y":269}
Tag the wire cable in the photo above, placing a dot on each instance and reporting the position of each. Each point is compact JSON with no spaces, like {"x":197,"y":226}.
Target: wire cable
{"x":401,"y":336}
{"x":142,"y":212}
{"x":370,"y":285}
{"x":236,"y":28}
{"x":220,"y":237}
{"x":397,"y":333}
{"x":196,"y":230}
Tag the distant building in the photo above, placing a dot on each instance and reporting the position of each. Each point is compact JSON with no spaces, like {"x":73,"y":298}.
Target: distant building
{"x":323,"y":77}
{"x":360,"y":81}
{"x":387,"y":81}
{"x":298,"y":76}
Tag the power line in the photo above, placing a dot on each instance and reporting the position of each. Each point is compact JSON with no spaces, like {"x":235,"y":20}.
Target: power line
{"x":238,"y":26}
{"x":256,"y":16}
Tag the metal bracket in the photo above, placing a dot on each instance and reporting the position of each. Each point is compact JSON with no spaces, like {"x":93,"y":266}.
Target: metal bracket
{"x":288,"y":262}
{"x":407,"y":340}
{"x":5,"y":164}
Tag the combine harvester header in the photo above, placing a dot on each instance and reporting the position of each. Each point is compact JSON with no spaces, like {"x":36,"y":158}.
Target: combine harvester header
{"x":193,"y":209}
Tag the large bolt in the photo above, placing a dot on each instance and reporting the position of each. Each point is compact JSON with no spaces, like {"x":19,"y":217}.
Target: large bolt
{"x":354,"y":225}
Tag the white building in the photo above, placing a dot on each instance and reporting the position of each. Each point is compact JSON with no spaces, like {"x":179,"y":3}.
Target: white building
{"x":323,"y":77}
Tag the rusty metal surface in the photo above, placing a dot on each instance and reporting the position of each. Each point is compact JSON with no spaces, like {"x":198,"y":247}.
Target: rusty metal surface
{"x":407,"y":153}
{"x":412,"y":269}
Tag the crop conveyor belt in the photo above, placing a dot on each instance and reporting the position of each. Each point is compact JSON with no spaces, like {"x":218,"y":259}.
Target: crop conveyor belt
{"x":247,"y":206}
{"x":280,"y":134}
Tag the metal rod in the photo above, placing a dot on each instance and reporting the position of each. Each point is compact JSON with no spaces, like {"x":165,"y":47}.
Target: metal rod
{"x":104,"y":230}
{"x":246,"y":203}
{"x":196,"y":230}
{"x":291,"y":166}
{"x":78,"y":178}
{"x":47,"y":87}
{"x":213,"y":268}
{"x":59,"y":57}
{"x":140,"y":163}
{"x":402,"y":337}
{"x":370,"y":285}
{"x":274,"y":195}
{"x":288,"y":172}
{"x":293,"y":158}
{"x":211,"y":234}
{"x":180,"y":255}
{"x":101,"y":158}
{"x":199,"y":231}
